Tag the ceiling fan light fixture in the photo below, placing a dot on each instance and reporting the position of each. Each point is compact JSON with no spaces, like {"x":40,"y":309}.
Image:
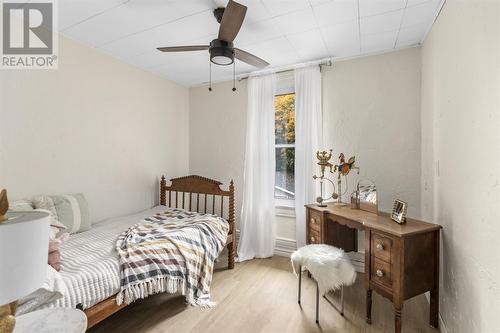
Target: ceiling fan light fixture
{"x":221,"y":60}
{"x":221,"y":53}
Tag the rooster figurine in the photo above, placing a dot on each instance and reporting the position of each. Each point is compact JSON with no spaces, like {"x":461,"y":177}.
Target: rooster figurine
{"x":344,"y":168}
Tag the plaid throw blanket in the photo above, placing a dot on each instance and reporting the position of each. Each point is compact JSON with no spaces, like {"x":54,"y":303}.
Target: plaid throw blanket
{"x":169,"y":252}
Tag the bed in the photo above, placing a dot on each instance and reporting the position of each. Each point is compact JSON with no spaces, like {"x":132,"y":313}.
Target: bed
{"x":90,"y":266}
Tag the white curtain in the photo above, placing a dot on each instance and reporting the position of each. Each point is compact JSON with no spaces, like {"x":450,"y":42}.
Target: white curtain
{"x":308,"y":134}
{"x":258,"y":214}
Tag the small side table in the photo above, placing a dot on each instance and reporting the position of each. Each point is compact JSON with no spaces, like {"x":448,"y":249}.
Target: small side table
{"x":56,"y":320}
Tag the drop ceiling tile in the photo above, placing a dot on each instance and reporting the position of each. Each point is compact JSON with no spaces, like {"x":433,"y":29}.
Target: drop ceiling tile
{"x":183,"y":6}
{"x":381,"y":23}
{"x":378,"y":42}
{"x":412,"y":3}
{"x":194,"y":26}
{"x":295,"y":22}
{"x":307,"y":54}
{"x":130,"y":18}
{"x":151,"y":59}
{"x":342,"y":40}
{"x":194,"y":69}
{"x":134,"y":45}
{"x":271,"y":49}
{"x":281,"y":7}
{"x":411,"y":43}
{"x":321,"y":2}
{"x":410,"y":34}
{"x":335,"y":12}
{"x":172,"y":34}
{"x":74,"y":11}
{"x":309,"y":39}
{"x":154,"y":58}
{"x":256,"y":11}
{"x":278,"y":59}
{"x":421,"y":14}
{"x":372,"y":7}
{"x":257,"y":32}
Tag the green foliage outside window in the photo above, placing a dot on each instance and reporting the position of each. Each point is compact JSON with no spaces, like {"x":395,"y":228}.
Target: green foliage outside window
{"x":284,"y":118}
{"x":285,"y":135}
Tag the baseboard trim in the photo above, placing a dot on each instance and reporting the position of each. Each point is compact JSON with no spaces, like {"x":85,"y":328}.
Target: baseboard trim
{"x":442,"y":325}
{"x":284,"y":247}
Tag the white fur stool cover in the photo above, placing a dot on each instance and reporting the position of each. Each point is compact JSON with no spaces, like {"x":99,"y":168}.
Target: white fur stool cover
{"x":329,"y":266}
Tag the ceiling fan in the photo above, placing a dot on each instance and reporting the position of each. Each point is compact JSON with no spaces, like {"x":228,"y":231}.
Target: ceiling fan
{"x":221,"y":49}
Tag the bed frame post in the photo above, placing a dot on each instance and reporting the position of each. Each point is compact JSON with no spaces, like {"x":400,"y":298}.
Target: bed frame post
{"x":232,"y":228}
{"x":163,"y":192}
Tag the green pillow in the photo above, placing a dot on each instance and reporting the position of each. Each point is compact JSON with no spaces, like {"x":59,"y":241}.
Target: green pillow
{"x":71,"y":210}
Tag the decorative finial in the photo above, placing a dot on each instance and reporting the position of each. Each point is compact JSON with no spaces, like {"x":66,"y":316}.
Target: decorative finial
{"x":4,"y":205}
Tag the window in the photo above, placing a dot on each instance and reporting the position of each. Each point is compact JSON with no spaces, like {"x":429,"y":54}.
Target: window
{"x":284,"y":129}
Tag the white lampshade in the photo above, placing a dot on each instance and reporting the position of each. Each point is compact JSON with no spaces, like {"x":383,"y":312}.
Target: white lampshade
{"x":24,"y":245}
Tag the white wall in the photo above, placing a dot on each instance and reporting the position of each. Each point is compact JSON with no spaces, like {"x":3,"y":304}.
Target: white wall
{"x":460,"y":159}
{"x":95,"y":125}
{"x":371,"y":109}
{"x":217,"y":125}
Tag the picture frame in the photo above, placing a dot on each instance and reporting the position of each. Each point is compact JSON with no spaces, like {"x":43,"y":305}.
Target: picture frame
{"x":399,"y":210}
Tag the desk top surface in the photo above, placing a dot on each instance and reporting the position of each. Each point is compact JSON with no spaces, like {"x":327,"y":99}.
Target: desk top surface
{"x":381,"y":221}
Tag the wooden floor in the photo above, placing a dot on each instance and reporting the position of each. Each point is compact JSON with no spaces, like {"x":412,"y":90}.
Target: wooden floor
{"x":261,"y":296}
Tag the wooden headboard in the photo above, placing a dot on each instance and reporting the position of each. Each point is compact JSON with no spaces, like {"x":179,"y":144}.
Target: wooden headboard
{"x":200,"y":194}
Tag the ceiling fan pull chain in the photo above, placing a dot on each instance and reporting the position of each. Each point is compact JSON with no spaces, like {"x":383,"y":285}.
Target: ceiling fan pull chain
{"x":234,"y":75}
{"x":210,"y":77}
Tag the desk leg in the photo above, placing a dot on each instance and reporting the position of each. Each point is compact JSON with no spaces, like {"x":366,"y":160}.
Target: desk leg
{"x":397,"y":318}
{"x":369,"y":306}
{"x":434,"y":299}
{"x":434,"y":308}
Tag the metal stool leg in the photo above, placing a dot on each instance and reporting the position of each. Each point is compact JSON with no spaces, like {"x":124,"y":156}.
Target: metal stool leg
{"x":300,"y":281}
{"x":317,"y":303}
{"x":342,"y":301}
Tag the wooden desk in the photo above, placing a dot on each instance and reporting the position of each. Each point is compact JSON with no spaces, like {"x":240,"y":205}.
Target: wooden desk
{"x":401,"y":260}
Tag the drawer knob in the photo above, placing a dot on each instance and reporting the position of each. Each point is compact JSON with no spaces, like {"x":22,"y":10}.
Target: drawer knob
{"x":379,"y":273}
{"x":313,"y":240}
{"x":313,"y":220}
{"x":379,"y":247}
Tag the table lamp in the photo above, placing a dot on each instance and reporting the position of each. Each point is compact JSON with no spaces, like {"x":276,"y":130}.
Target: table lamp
{"x":24,"y":243}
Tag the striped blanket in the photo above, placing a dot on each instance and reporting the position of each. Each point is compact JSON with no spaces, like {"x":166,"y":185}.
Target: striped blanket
{"x":169,"y":252}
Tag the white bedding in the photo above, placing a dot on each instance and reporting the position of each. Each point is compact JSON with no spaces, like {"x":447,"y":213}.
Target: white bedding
{"x":89,"y":261}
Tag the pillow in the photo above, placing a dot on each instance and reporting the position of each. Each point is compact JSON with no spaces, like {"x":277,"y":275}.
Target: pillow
{"x":71,"y":210}
{"x":22,"y":205}
{"x":54,"y":254}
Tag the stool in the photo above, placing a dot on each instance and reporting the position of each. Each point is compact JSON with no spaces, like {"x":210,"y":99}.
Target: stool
{"x":329,"y":267}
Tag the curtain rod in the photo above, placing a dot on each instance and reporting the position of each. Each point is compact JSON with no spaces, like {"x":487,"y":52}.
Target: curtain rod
{"x":284,"y":69}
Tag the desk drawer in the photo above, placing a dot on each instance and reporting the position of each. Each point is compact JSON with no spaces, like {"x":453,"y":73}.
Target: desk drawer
{"x":381,"y":247}
{"x":381,"y":272}
{"x":313,"y":237}
{"x":315,"y":221}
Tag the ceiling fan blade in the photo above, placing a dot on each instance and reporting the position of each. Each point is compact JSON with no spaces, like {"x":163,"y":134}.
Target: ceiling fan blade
{"x":233,"y":17}
{"x":250,"y":58}
{"x":183,"y":48}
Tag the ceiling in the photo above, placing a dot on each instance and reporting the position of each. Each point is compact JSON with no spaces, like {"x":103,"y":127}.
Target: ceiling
{"x":279,"y":31}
